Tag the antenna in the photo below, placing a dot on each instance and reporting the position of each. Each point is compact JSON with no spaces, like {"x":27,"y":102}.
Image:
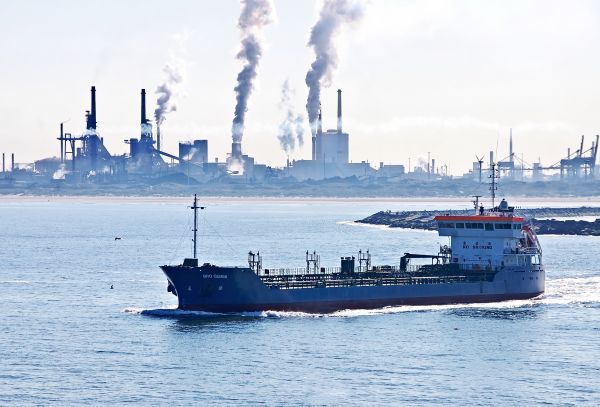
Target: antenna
{"x":195,"y":207}
{"x":476,"y":202}
{"x":493,"y":184}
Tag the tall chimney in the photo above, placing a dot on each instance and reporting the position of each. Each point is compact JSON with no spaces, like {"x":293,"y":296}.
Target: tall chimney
{"x":144,"y":120}
{"x":491,"y":158}
{"x":339,"y":111}
{"x":320,"y":124}
{"x":157,"y":137}
{"x":236,"y":150}
{"x":3,"y":164}
{"x":12,"y":163}
{"x":93,"y":114}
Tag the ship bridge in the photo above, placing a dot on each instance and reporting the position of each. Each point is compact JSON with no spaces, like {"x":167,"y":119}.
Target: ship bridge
{"x":490,"y":239}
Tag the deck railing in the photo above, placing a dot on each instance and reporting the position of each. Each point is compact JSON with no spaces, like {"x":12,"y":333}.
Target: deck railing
{"x":284,"y":284}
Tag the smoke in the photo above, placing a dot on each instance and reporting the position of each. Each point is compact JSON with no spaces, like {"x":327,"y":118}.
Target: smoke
{"x":60,"y":172}
{"x":291,"y":129}
{"x":190,"y":155}
{"x":165,"y":91}
{"x":174,"y":73}
{"x":254,"y":16}
{"x":146,"y":129}
{"x":333,"y":15}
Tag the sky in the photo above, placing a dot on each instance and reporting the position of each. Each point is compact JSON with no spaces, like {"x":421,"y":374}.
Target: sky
{"x":449,"y":78}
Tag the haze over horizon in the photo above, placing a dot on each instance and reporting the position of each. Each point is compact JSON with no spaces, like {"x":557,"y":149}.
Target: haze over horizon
{"x":449,"y":78}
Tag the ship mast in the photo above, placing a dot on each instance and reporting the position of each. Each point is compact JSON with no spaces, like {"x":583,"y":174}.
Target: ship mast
{"x":195,"y":207}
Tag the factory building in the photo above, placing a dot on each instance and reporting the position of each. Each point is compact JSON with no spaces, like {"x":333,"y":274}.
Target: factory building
{"x":332,"y":146}
{"x":330,"y":154}
{"x":144,"y":157}
{"x":196,"y":151}
{"x":391,"y":170}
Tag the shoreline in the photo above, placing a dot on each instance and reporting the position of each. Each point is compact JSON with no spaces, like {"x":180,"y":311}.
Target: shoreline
{"x":284,"y":199}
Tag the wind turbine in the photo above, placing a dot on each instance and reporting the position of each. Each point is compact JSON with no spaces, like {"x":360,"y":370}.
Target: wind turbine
{"x":480,"y":161}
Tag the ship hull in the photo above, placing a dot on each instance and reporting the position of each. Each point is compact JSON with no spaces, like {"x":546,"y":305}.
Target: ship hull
{"x":231,"y":289}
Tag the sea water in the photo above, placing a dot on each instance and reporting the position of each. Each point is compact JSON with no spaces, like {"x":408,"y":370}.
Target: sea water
{"x":86,"y":318}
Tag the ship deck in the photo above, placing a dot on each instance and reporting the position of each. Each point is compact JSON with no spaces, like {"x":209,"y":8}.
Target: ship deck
{"x":391,"y":276}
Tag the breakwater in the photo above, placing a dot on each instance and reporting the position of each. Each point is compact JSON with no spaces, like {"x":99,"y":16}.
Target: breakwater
{"x":540,"y":218}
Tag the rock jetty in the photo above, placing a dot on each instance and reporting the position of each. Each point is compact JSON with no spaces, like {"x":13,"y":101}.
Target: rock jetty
{"x":542,"y":219}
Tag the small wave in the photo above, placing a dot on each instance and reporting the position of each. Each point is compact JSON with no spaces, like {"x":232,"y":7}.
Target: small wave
{"x":381,"y":227}
{"x":573,"y":290}
{"x":15,"y":282}
{"x":169,"y":312}
{"x":175,"y":312}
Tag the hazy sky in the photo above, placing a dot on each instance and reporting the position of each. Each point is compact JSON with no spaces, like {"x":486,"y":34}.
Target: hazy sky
{"x":446,"y":77}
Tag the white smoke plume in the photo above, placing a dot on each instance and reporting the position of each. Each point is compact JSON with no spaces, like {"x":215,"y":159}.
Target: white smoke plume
{"x":333,"y":15}
{"x":190,"y":155}
{"x":291,"y":129}
{"x":60,"y":173}
{"x":165,"y":91}
{"x":174,"y":73}
{"x":147,"y":129}
{"x":254,"y":16}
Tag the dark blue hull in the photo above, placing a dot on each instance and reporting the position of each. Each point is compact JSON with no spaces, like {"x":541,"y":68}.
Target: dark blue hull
{"x":231,"y":289}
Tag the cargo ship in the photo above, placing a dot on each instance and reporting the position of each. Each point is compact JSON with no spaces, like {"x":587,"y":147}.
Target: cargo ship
{"x":493,"y":256}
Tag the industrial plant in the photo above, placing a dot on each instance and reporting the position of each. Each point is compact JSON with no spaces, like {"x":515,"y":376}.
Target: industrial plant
{"x":84,"y":160}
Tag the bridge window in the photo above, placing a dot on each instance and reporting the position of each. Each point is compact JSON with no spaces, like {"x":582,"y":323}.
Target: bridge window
{"x":460,"y":226}
{"x":446,"y":225}
{"x":517,"y":226}
{"x":474,"y":225}
{"x":503,"y":226}
{"x":489,"y":226}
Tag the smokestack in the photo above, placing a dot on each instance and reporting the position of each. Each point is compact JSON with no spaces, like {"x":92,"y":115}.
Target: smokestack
{"x":339,"y":113}
{"x":320,"y":125}
{"x":90,"y":115}
{"x":144,"y":120}
{"x":12,"y":163}
{"x":3,"y":164}
{"x":93,"y":114}
{"x":314,"y":146}
{"x":158,"y":137}
{"x":236,"y":150}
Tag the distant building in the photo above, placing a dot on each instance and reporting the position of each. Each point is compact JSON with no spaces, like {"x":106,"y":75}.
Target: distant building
{"x":332,"y":147}
{"x":196,"y":151}
{"x":391,"y":170}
